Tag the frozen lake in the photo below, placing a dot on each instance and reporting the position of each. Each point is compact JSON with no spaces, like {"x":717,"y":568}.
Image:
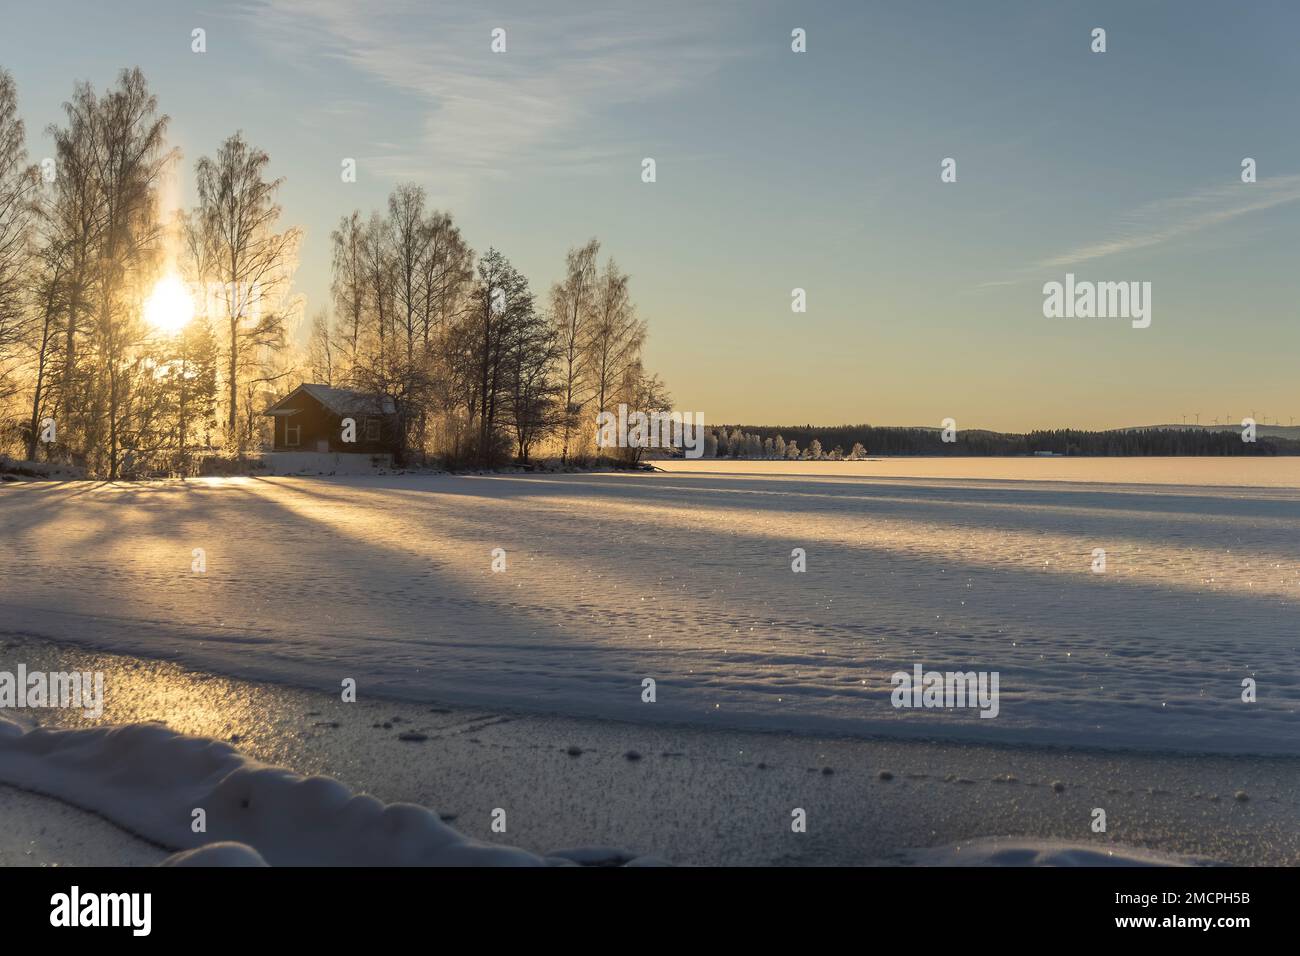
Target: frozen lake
{"x":1279,"y":472}
{"x":685,"y":578}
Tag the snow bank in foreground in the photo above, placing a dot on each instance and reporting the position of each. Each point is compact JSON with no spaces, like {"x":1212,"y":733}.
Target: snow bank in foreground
{"x":151,"y":780}
{"x":1024,"y":851}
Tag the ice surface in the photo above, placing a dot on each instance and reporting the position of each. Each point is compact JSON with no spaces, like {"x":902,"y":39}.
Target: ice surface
{"x":685,"y":578}
{"x":698,"y":795}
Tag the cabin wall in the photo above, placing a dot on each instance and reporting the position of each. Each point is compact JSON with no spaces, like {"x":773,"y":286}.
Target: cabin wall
{"x":316,"y":424}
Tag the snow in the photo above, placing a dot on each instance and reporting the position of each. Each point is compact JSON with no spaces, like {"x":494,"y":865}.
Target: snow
{"x":41,"y":831}
{"x":1002,"y":851}
{"x":224,"y":853}
{"x":697,"y":796}
{"x":151,"y":781}
{"x":684,"y":577}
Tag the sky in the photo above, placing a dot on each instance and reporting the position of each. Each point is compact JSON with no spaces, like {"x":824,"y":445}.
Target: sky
{"x":778,"y":170}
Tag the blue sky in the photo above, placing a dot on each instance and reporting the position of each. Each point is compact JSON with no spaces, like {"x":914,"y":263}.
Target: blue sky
{"x":779,"y":170}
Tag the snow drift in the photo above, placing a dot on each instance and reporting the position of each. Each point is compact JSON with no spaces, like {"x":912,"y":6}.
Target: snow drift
{"x":151,"y":781}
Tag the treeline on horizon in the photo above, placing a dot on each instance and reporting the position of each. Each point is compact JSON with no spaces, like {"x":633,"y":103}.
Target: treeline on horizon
{"x":480,"y":367}
{"x":853,"y":441}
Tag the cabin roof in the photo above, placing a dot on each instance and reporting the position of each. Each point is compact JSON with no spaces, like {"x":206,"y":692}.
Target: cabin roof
{"x":340,"y":401}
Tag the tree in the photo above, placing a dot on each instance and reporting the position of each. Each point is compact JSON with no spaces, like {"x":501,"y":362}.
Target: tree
{"x":128,"y":167}
{"x":185,"y":376}
{"x":73,"y":225}
{"x":48,"y":299}
{"x":249,"y":264}
{"x":322,"y":351}
{"x":18,"y":185}
{"x":377,"y":267}
{"x":446,"y":274}
{"x":616,"y":336}
{"x":501,"y":304}
{"x":572,"y":301}
{"x":645,"y":393}
{"x":532,"y":395}
{"x":406,"y":231}
{"x":349,"y":280}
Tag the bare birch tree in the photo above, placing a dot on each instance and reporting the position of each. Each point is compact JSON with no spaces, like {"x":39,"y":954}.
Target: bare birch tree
{"x":250,"y":264}
{"x":572,"y":302}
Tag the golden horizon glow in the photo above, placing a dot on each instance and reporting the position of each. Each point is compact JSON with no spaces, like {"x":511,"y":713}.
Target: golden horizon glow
{"x":169,"y":307}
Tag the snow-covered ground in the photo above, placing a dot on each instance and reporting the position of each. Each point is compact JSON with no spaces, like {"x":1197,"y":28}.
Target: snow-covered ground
{"x":688,"y":795}
{"x":187,"y":793}
{"x":685,"y":578}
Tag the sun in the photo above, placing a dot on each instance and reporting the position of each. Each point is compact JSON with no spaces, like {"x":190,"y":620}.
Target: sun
{"x":169,"y":307}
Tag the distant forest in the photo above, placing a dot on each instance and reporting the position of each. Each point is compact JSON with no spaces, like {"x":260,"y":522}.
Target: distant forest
{"x":857,"y":441}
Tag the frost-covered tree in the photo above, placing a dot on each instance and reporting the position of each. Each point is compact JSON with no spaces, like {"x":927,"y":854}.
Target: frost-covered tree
{"x":18,"y":184}
{"x":573,"y":315}
{"x":246,"y":261}
{"x":614,"y":337}
{"x":858,"y":452}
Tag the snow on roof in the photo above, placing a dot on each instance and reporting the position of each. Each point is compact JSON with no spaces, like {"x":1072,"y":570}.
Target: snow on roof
{"x":341,"y":401}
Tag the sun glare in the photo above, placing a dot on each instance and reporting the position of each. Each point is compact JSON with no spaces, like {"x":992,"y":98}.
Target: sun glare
{"x":169,"y":307}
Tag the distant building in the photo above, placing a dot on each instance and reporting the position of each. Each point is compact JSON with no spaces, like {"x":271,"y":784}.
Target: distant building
{"x":310,"y":419}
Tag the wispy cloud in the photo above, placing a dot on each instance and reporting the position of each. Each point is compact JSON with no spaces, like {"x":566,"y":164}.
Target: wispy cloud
{"x":568,"y":65}
{"x":1166,"y":220}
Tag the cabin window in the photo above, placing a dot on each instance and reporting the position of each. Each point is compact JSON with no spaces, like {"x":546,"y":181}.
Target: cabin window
{"x":372,"y":429}
{"x":292,"y":435}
